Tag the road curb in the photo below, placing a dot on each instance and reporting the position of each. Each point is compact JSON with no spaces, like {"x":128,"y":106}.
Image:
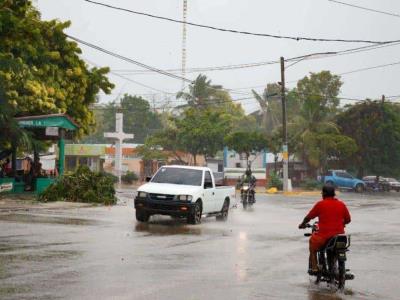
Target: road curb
{"x":13,"y":207}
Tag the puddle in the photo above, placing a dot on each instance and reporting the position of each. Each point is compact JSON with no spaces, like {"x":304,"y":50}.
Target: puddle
{"x":25,"y":218}
{"x":167,"y":227}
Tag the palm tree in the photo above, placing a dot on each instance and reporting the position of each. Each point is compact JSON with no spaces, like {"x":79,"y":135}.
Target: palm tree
{"x":201,"y":93}
{"x":306,"y":130}
{"x":270,"y":108}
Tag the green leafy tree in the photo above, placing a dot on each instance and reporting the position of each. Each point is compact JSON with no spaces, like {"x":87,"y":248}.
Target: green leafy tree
{"x":139,"y":119}
{"x":198,"y":132}
{"x":375,"y":126}
{"x":161,"y":145}
{"x":40,"y":69}
{"x":202,"y":132}
{"x":314,"y":126}
{"x":246,"y":143}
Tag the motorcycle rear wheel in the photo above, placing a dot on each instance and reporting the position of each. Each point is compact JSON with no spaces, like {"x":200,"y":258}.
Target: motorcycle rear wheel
{"x":342,"y":275}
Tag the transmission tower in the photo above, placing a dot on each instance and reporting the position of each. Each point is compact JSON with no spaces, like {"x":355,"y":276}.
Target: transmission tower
{"x":184,"y":42}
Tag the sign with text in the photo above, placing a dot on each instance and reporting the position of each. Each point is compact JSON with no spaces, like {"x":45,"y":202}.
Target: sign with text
{"x":6,"y":187}
{"x":52,"y":131}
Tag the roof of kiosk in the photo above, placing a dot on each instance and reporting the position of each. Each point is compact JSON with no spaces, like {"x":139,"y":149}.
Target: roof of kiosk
{"x":53,"y":120}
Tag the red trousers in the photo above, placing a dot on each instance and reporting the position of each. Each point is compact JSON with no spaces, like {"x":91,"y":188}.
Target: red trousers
{"x":317,"y":241}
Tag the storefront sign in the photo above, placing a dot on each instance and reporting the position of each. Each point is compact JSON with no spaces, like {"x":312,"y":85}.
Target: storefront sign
{"x":6,"y":187}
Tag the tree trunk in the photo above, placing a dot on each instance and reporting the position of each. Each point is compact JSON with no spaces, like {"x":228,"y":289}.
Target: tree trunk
{"x":195,"y":159}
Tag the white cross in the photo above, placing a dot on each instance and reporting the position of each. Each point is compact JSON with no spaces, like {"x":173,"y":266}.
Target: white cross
{"x":119,"y":136}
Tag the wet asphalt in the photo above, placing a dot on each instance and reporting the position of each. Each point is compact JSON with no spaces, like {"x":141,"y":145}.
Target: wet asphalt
{"x":103,"y":253}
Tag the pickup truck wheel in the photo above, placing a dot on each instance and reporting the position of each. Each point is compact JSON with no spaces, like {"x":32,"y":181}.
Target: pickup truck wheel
{"x":194,"y":216}
{"x":359,"y":188}
{"x":224,"y":212}
{"x":142,"y":216}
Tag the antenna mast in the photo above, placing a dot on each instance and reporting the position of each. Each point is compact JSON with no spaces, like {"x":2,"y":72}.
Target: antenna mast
{"x":184,"y":43}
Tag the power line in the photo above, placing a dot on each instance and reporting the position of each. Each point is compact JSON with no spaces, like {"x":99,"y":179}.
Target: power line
{"x":205,"y":103}
{"x":308,"y":56}
{"x":210,"y":102}
{"x":359,"y":70}
{"x":162,"y":72}
{"x":203,"y":69}
{"x":366,"y":8}
{"x":369,"y":68}
{"x":131,"y":80}
{"x":141,"y":84}
{"x":128,"y":59}
{"x":263,"y":63}
{"x":237,"y":31}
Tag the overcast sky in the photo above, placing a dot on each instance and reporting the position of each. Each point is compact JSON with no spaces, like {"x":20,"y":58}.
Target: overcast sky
{"x":158,"y":43}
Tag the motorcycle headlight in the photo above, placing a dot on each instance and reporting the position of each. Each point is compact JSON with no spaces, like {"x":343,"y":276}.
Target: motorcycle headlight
{"x":245,"y":188}
{"x":142,"y":194}
{"x":185,"y":197}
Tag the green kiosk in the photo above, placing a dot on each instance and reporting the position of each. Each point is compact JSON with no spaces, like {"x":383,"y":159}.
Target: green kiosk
{"x":54,"y":127}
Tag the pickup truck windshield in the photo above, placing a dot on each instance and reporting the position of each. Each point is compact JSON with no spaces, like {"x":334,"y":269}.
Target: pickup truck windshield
{"x":178,"y":176}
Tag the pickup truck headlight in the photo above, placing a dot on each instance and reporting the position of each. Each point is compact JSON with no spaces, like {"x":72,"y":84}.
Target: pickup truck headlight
{"x":185,"y":197}
{"x":142,"y":194}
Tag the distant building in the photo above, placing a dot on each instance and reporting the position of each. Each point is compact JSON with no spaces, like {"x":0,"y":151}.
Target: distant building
{"x":262,"y":164}
{"x":91,"y":155}
{"x":101,"y":157}
{"x":131,"y":161}
{"x":235,"y":166}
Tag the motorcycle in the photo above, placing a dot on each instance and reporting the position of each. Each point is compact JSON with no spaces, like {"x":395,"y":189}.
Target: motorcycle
{"x":247,"y":195}
{"x":332,"y":260}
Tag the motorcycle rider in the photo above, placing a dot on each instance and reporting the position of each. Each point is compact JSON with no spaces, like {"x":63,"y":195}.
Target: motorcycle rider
{"x":332,"y":215}
{"x":248,"y":177}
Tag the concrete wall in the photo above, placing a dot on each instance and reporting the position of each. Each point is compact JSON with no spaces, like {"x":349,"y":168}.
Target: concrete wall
{"x":234,"y":160}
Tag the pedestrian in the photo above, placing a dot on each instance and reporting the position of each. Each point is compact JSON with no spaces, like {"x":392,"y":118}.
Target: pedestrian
{"x":28,"y":173}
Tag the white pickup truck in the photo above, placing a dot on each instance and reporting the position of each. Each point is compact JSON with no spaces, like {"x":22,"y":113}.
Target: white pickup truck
{"x":182,"y":191}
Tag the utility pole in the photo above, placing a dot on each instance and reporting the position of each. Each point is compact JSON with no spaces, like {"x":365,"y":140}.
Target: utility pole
{"x":285,"y":153}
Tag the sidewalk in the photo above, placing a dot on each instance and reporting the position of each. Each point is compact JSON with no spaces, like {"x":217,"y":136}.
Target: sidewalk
{"x":294,"y":192}
{"x":28,"y":202}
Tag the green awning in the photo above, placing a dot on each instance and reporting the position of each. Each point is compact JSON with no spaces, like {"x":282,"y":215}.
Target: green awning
{"x":43,"y":121}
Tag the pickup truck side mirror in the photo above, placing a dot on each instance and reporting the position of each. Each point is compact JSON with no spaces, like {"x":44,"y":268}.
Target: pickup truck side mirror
{"x":148,"y":178}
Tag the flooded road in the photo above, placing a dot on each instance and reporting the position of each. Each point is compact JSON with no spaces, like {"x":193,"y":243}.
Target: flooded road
{"x":103,"y":253}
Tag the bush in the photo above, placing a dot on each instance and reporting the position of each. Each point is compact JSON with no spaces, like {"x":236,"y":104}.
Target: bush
{"x":82,"y":186}
{"x":275,"y":181}
{"x":111,"y":176}
{"x":310,"y":184}
{"x":129,"y":177}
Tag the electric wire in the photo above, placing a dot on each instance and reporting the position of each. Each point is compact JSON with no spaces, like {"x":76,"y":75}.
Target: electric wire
{"x":128,"y":59}
{"x":359,"y":70}
{"x":370,"y":68}
{"x":308,"y":56}
{"x":263,"y":63}
{"x":299,"y":38}
{"x":366,"y":8}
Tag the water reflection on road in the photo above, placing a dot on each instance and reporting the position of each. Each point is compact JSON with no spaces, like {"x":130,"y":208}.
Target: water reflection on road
{"x":103,"y":253}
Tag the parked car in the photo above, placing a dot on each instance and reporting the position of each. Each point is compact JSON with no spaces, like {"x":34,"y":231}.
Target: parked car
{"x":186,"y":192}
{"x":342,"y":179}
{"x":372,"y":184}
{"x":394,"y":184}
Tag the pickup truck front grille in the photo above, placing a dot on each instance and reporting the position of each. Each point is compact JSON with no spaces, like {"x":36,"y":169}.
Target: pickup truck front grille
{"x":162,"y":197}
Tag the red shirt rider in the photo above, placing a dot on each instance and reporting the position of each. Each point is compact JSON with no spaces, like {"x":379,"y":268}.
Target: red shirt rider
{"x":332,"y":215}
